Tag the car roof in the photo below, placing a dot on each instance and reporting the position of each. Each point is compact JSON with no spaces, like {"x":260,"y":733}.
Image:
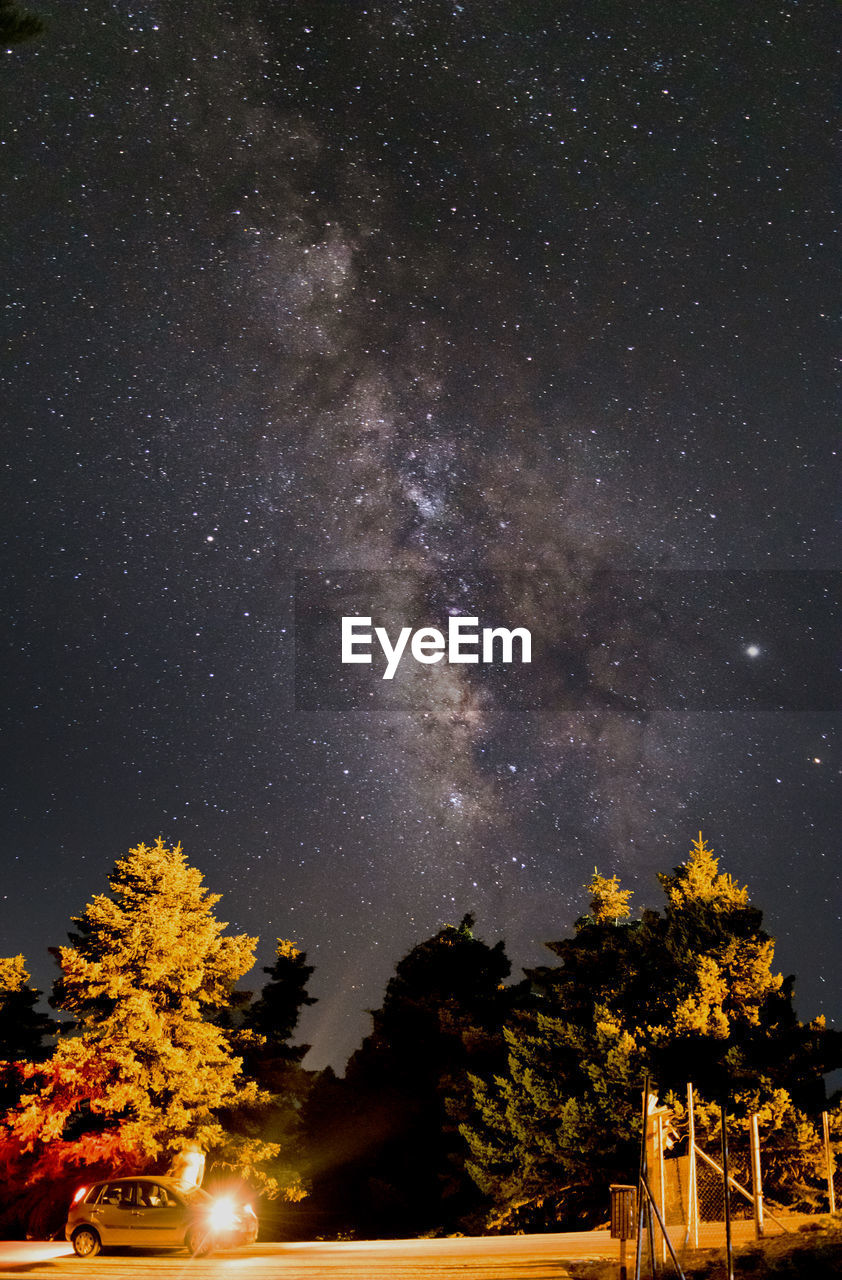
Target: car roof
{"x":160,"y":1180}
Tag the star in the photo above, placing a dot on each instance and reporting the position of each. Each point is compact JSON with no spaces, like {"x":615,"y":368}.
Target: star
{"x":277,"y":330}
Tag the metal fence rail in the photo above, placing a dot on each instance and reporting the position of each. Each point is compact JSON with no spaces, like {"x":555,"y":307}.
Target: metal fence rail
{"x":687,"y":1186}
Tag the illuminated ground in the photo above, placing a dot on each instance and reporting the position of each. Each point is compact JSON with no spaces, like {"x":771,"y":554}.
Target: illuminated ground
{"x":538,"y":1257}
{"x":496,"y":1258}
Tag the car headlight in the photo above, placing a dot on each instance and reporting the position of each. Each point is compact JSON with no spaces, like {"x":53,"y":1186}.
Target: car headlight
{"x":222,"y":1215}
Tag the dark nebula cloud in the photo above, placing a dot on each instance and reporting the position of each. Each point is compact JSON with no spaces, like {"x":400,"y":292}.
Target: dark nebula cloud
{"x":473,"y":297}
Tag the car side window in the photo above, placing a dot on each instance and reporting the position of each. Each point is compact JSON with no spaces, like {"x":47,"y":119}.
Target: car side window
{"x":151,"y":1196}
{"x":117,"y":1193}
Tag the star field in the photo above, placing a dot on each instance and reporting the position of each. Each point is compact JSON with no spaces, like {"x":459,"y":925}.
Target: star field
{"x":467,"y":294}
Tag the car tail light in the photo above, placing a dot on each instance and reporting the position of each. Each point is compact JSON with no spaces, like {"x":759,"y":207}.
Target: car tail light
{"x":79,"y":1194}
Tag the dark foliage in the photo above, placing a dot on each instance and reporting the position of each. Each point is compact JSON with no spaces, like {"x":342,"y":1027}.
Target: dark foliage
{"x":389,"y":1157}
{"x":17,"y":26}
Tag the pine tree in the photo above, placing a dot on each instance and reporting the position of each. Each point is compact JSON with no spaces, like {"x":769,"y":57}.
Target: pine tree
{"x":690,"y":994}
{"x":731,"y":1028}
{"x":263,"y":1037}
{"x":23,"y":1028}
{"x":274,"y":1015}
{"x":394,"y":1121}
{"x":146,"y":1068}
{"x":719,"y":949}
{"x":609,"y":903}
{"x":547,"y":1134}
{"x":719,"y":1013}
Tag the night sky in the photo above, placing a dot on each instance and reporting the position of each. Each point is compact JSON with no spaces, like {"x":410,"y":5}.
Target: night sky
{"x":467,"y":295}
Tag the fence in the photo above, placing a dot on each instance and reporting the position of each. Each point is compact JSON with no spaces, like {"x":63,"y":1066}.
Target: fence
{"x":687,"y":1186}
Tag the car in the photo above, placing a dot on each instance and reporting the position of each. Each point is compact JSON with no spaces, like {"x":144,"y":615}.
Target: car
{"x":155,"y":1212}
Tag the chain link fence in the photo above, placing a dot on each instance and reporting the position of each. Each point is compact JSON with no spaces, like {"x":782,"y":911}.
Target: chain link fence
{"x":689,"y":1186}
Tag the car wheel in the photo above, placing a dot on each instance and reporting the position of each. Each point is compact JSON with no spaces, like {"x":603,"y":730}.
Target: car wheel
{"x":86,"y":1242}
{"x":197,"y":1244}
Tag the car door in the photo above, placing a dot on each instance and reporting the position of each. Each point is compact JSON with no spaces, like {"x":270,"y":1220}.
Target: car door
{"x":112,"y":1215}
{"x":160,"y":1219}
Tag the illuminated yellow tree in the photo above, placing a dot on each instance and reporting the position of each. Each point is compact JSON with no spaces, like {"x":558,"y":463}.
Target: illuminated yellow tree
{"x":721,"y":957}
{"x":146,"y":1068}
{"x":609,"y":903}
{"x":689,"y":994}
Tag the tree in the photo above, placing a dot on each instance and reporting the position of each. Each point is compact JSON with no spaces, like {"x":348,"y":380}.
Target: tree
{"x":732,"y":1028}
{"x":146,"y":1069}
{"x":264,"y":1037}
{"x":718,"y":1013}
{"x":687,"y":994}
{"x":720,"y":954}
{"x":561,"y":1121}
{"x":23,"y":1028}
{"x":274,"y":1015}
{"x":392,"y":1126}
{"x":609,"y":903}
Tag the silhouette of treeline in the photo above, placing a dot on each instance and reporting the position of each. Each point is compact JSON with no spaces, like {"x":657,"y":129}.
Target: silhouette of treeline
{"x":472,"y":1105}
{"x":16,"y":25}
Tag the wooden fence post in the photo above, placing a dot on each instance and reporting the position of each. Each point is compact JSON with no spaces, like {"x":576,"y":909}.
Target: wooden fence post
{"x":756,"y":1178}
{"x":693,"y":1179}
{"x":828,"y":1164}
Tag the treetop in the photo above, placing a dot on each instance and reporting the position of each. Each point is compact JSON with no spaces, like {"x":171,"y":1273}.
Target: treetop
{"x":609,"y":903}
{"x":285,"y":949}
{"x":13,"y":974}
{"x":698,"y":880}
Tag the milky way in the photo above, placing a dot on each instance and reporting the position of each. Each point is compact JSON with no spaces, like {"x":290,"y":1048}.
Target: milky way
{"x":472,"y":297}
